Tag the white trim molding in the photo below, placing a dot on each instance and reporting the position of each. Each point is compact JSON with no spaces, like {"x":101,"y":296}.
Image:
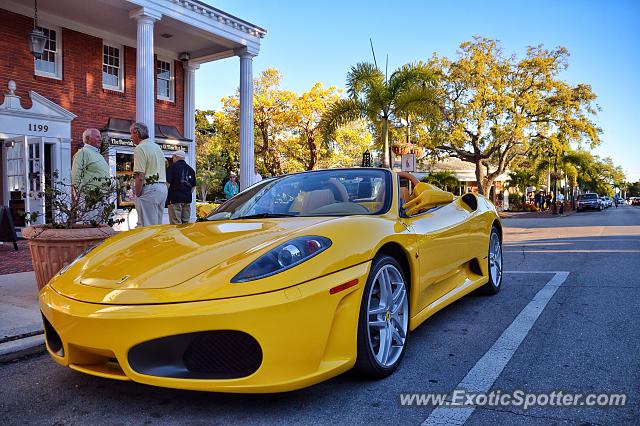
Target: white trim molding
{"x":204,"y":17}
{"x":15,"y":119}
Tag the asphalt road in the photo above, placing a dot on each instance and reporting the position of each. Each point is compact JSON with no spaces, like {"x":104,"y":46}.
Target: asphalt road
{"x":584,"y":338}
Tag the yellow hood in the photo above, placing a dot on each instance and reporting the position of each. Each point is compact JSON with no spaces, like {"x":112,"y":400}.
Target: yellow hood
{"x":161,"y":257}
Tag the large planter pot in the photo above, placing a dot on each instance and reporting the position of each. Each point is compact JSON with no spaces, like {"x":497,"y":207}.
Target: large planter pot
{"x":418,"y":151}
{"x":401,"y":148}
{"x":52,"y":249}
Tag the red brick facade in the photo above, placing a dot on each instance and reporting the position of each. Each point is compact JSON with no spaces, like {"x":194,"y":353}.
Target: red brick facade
{"x":80,"y":90}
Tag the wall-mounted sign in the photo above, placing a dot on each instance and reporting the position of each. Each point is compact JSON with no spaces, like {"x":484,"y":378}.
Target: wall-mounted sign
{"x":120,"y":142}
{"x":113,"y":141}
{"x":409,"y":163}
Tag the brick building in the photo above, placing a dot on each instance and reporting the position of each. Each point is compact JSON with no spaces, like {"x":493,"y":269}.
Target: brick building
{"x":106,"y":64}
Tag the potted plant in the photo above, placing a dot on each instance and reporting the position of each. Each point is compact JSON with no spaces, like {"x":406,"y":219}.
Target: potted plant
{"x":418,"y":151}
{"x":80,"y":219}
{"x":401,"y":148}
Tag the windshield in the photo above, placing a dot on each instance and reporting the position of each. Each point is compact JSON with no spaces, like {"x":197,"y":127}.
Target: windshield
{"x":340,"y":192}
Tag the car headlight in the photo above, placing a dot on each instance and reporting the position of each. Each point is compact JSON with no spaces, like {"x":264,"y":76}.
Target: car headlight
{"x":283,"y":257}
{"x":66,"y":267}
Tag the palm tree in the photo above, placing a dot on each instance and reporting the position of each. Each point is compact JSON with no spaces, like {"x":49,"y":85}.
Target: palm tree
{"x":521,"y":179}
{"x":444,"y":179}
{"x":373,"y":96}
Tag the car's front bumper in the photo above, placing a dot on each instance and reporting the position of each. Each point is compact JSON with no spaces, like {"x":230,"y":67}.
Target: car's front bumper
{"x":305,"y":334}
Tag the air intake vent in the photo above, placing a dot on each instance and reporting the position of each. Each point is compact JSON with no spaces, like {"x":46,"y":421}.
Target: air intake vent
{"x":218,"y":354}
{"x":471,"y":201}
{"x":54,"y":343}
{"x":223,"y":353}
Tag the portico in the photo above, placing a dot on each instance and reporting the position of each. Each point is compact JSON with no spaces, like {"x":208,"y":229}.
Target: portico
{"x":152,"y":50}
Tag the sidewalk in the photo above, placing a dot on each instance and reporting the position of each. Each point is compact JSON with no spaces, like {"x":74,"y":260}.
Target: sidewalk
{"x":12,"y":261}
{"x":20,"y":321}
{"x":533,"y":215}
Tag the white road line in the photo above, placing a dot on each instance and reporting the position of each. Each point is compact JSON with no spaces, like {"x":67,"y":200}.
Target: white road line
{"x":484,"y":374}
{"x":572,"y":251}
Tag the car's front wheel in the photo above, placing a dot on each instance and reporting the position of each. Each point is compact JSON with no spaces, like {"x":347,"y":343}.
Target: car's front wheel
{"x":383,"y":323}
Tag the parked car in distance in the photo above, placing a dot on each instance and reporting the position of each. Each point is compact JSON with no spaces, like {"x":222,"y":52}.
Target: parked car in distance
{"x":603,"y":202}
{"x":589,"y":201}
{"x":635,"y":201}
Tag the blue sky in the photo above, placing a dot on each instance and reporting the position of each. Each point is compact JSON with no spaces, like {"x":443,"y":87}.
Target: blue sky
{"x":319,"y":41}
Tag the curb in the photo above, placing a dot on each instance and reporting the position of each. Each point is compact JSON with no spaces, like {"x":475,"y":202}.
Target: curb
{"x":14,"y":349}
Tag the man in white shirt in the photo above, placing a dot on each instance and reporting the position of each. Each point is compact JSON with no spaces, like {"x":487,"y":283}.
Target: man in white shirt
{"x":560,"y":202}
{"x":256,"y":176}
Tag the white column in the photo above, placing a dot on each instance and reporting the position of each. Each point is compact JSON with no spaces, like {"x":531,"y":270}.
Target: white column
{"x":246,"y":119}
{"x":190,"y":120}
{"x":145,"y":68}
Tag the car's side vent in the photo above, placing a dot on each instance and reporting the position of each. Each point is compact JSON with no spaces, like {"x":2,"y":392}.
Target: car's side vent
{"x":471,"y":201}
{"x":474,"y":266}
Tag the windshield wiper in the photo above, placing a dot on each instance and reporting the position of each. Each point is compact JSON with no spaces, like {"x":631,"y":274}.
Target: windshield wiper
{"x":265,"y":215}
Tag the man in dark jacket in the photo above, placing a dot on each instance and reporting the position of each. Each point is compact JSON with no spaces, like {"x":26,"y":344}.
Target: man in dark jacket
{"x":181,"y":179}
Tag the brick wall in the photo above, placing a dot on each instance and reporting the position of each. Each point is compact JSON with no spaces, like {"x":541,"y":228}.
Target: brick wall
{"x":80,"y":90}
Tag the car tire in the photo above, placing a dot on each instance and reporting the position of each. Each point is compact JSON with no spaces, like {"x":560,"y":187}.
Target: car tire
{"x":383,"y":324}
{"x":494,"y":264}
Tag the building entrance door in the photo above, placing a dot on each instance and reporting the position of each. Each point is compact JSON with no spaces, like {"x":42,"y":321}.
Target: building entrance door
{"x":15,"y":184}
{"x":25,"y":177}
{"x":36,"y":177}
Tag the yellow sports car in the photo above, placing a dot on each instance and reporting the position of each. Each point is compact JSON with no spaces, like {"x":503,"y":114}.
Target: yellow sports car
{"x":293,"y":281}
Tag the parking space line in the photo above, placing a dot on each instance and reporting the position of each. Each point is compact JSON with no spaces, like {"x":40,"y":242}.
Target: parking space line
{"x":573,"y":251}
{"x":486,"y":371}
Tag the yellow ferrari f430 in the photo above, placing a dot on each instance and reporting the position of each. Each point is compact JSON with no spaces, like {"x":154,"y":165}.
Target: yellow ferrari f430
{"x":293,"y":281}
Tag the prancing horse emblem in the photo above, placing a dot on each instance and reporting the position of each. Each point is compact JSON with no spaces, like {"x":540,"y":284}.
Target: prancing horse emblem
{"x":123,"y":279}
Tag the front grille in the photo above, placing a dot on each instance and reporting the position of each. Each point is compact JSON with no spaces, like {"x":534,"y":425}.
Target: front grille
{"x":224,"y":353}
{"x":217,"y":354}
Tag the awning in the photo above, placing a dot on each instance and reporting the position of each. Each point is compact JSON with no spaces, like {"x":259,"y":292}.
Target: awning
{"x":121,"y":125}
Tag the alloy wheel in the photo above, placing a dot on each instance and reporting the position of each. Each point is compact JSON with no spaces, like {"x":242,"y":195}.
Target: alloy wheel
{"x":495,"y":259}
{"x":387,"y":316}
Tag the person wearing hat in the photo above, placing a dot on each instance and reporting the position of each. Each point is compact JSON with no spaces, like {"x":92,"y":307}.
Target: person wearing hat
{"x":181,"y":179}
{"x":231,"y":188}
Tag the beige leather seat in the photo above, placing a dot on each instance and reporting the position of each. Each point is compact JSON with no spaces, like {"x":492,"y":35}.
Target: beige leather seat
{"x":315,"y":199}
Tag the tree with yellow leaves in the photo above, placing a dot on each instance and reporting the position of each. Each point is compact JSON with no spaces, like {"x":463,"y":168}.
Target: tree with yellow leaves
{"x":496,"y":108}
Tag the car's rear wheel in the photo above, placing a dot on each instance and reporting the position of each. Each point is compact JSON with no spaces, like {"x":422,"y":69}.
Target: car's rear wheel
{"x":495,"y":264}
{"x":383,"y":324}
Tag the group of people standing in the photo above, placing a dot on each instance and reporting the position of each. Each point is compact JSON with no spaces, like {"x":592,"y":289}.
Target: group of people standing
{"x":544,"y":201}
{"x":153,"y":185}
